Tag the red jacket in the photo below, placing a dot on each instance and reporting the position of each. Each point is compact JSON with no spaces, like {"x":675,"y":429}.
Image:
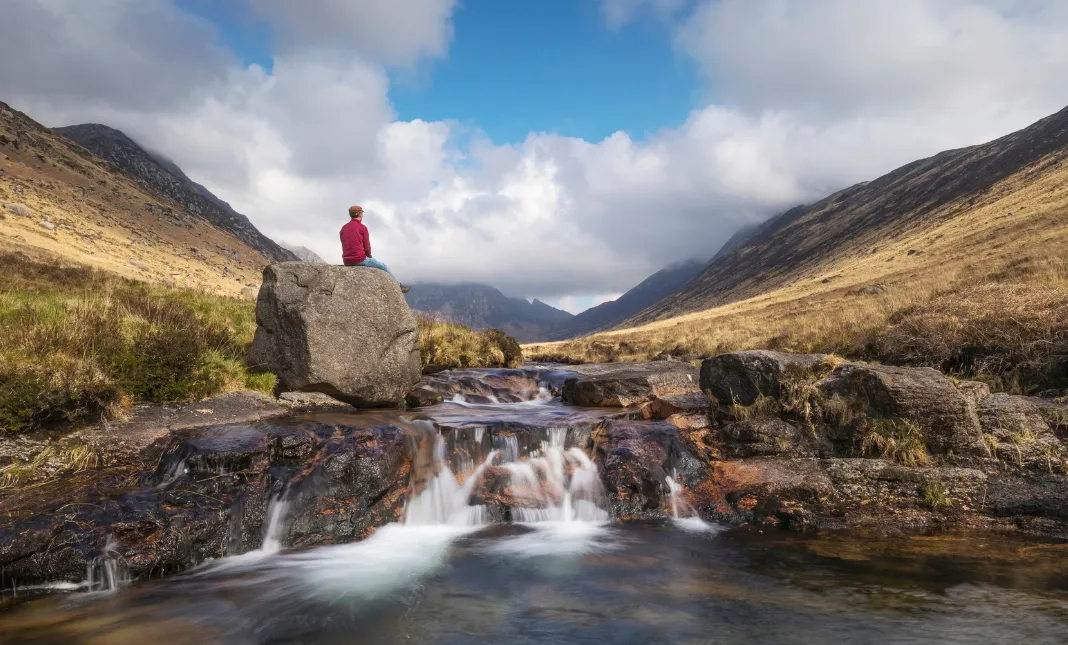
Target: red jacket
{"x":355,"y":243}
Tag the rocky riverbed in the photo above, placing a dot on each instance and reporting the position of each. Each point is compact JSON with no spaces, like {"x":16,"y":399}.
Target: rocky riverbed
{"x":760,"y":438}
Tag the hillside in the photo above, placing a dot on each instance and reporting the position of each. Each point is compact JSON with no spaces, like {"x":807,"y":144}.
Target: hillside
{"x":870,"y":220}
{"x":480,"y":306}
{"x":656,"y":287}
{"x":957,"y":261}
{"x":61,"y":200}
{"x":166,"y":178}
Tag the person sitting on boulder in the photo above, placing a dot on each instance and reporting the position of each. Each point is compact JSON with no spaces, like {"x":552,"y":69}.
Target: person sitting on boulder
{"x":356,"y":245}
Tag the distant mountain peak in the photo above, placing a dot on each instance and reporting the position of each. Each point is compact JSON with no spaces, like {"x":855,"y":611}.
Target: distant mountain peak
{"x":303,"y":253}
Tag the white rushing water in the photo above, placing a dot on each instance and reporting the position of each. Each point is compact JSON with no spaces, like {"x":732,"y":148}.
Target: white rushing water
{"x":108,"y":572}
{"x":276,"y":516}
{"x":689,"y":521}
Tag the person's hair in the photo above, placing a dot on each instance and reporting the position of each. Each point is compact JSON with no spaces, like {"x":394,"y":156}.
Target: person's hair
{"x":355,"y":211}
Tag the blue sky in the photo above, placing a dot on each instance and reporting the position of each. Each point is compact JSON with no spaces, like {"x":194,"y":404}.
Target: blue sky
{"x":518,"y":67}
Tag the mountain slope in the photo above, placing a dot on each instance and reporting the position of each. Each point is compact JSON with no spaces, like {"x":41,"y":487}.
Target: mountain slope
{"x":303,"y":253}
{"x":62,"y":201}
{"x":656,"y":287}
{"x":480,"y":306}
{"x":861,"y":220}
{"x":957,"y":261}
{"x":168,"y":179}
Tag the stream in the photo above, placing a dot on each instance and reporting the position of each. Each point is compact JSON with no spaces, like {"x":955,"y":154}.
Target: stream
{"x":557,"y":567}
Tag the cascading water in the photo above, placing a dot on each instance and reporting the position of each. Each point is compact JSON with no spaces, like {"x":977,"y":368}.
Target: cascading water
{"x":276,"y":515}
{"x":691,"y":522}
{"x":444,"y":500}
{"x":108,"y":572}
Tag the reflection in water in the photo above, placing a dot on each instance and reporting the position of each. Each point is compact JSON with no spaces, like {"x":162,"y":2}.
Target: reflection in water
{"x":585,"y":583}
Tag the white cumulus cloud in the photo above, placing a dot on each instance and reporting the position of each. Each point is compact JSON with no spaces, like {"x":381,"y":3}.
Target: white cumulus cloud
{"x":810,"y":96}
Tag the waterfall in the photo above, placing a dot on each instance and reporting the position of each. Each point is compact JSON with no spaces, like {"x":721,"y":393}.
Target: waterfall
{"x":691,"y":522}
{"x":444,"y":500}
{"x":108,"y":572}
{"x":276,"y":515}
{"x":544,"y":478}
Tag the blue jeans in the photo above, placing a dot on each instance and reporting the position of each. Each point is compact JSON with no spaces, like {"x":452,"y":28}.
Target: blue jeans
{"x":375,"y":264}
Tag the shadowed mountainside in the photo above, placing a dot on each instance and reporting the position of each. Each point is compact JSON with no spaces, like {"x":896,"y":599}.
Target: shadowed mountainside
{"x":303,"y":253}
{"x":660,"y":285}
{"x":956,"y":262}
{"x":168,"y":179}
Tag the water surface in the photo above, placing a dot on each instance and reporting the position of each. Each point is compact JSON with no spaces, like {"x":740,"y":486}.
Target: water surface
{"x":579,"y":582}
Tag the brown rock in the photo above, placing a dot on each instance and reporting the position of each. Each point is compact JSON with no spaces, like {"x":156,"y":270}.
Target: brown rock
{"x":636,"y":457}
{"x":1020,"y":430}
{"x":765,"y":438}
{"x":921,"y":395}
{"x":740,"y":377}
{"x":631,"y":384}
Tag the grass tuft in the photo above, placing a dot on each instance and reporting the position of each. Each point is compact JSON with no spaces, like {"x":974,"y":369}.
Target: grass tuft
{"x":896,"y":439}
{"x":448,"y":345}
{"x":935,"y":493}
{"x":77,"y":344}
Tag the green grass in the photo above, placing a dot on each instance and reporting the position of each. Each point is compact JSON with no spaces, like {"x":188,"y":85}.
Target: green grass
{"x":935,"y":493}
{"x":77,"y":344}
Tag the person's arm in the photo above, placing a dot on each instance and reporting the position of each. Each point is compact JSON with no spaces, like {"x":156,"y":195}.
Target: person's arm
{"x":366,"y":241}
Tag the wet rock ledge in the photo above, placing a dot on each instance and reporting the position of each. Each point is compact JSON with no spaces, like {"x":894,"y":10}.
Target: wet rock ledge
{"x":794,"y":441}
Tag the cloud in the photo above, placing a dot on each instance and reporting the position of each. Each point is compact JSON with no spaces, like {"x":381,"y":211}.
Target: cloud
{"x":141,"y":55}
{"x":811,"y":97}
{"x":834,"y":58}
{"x":397,"y":32}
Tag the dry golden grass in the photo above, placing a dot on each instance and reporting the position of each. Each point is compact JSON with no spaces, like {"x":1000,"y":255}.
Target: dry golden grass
{"x":77,"y":344}
{"x":987,"y":297}
{"x":447,"y":345}
{"x":81,"y":210}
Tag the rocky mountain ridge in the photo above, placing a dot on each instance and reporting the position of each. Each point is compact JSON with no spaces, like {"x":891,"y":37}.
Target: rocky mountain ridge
{"x":62,"y":203}
{"x":480,"y":307}
{"x":168,"y":179}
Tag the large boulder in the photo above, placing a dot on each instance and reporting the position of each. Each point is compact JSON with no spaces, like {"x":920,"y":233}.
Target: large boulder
{"x":921,"y":395}
{"x":623,"y":385}
{"x":343,"y":331}
{"x":741,"y":377}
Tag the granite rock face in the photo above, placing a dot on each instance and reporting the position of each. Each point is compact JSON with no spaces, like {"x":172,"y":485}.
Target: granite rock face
{"x":342,"y":331}
{"x":623,"y":385}
{"x":741,"y":377}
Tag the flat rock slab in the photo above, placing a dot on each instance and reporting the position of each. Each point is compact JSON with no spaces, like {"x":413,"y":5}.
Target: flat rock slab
{"x":477,"y":386}
{"x":151,"y":423}
{"x":313,"y":402}
{"x":622,"y":385}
